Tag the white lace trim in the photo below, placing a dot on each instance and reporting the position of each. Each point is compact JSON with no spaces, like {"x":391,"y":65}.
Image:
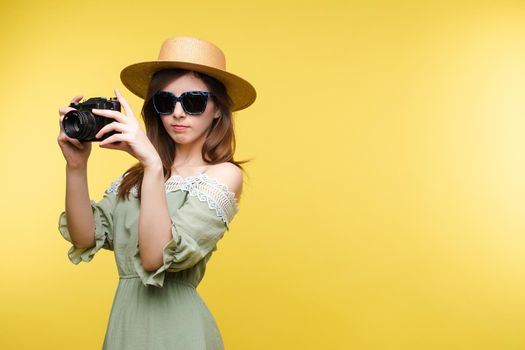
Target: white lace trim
{"x":206,"y":189}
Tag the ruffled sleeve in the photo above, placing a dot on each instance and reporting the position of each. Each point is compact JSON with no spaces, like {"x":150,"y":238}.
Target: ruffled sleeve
{"x":197,"y":225}
{"x":103,"y":215}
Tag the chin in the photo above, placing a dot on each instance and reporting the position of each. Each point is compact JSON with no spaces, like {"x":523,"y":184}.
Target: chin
{"x":180,"y":139}
{"x":183,"y":139}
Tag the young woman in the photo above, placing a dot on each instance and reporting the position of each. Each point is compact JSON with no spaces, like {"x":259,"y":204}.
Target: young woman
{"x":164,"y":216}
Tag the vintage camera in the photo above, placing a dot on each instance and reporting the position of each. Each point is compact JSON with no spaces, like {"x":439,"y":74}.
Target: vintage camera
{"x":83,"y":125}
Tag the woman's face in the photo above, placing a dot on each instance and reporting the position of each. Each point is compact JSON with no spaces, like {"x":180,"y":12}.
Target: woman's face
{"x":195,"y":126}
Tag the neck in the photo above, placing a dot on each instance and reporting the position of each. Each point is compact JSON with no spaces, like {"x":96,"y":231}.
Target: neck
{"x":189,"y":155}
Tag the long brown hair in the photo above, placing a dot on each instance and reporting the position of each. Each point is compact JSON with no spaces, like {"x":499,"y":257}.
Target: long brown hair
{"x":218,"y":147}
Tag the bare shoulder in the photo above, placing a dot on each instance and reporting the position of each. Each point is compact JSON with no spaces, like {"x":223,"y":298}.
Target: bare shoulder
{"x":229,"y":174}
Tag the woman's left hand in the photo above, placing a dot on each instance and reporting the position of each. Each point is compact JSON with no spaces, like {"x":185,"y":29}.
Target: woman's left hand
{"x":130,"y":137}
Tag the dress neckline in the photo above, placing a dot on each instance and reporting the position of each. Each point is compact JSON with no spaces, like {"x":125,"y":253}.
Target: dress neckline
{"x":182,"y":182}
{"x":206,"y":188}
{"x":185,"y":177}
{"x":202,"y":175}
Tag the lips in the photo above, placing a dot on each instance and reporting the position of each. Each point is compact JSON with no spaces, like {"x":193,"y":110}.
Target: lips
{"x":178,"y":127}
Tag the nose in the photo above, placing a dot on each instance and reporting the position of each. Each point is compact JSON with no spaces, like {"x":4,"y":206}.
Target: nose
{"x":178,"y":111}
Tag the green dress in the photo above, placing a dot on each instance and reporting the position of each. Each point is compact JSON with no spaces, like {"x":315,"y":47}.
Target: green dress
{"x":161,"y":309}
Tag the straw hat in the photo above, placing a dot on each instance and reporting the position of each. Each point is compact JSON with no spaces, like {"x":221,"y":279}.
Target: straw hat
{"x":193,"y":54}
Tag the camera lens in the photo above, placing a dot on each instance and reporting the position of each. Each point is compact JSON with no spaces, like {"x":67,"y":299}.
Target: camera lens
{"x":80,"y":125}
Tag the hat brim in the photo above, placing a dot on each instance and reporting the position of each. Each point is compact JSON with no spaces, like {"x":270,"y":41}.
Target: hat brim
{"x":137,"y":77}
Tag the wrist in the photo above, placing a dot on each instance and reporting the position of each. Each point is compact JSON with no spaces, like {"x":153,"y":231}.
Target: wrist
{"x":76,"y":168}
{"x":153,"y":164}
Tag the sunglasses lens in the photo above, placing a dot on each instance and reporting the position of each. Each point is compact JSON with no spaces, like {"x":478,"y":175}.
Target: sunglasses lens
{"x":194,"y":103}
{"x":163,"y":102}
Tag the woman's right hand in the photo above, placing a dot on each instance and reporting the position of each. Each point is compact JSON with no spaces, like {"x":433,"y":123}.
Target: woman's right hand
{"x":75,"y":152}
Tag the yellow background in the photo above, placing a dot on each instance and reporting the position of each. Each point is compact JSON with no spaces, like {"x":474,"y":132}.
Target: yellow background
{"x":384,"y":207}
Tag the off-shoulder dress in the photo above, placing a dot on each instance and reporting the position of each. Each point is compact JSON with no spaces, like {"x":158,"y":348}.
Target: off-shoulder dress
{"x":161,"y":309}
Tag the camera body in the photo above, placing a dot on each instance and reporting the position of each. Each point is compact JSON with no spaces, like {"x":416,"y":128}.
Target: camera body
{"x":83,"y":125}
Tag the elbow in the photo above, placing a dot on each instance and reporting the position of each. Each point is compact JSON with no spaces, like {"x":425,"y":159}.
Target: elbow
{"x":82,"y":237}
{"x":83,"y":243}
{"x":150,"y":265}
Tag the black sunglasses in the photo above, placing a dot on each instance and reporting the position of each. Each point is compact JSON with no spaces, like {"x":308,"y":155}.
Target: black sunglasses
{"x":192,"y":102}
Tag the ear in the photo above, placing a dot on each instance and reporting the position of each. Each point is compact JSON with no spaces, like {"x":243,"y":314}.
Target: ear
{"x":217,"y":116}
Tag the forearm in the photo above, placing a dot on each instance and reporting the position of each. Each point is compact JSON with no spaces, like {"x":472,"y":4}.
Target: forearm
{"x":154,"y":230}
{"x":79,"y":214}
